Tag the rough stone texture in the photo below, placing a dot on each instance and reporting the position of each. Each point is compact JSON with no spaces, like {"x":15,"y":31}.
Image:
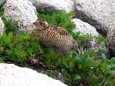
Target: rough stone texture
{"x":111,"y":39}
{"x":53,"y":5}
{"x":12,"y":75}
{"x":84,"y":27}
{"x":99,"y":13}
{"x":1,"y":26}
{"x":2,"y":1}
{"x":23,"y":11}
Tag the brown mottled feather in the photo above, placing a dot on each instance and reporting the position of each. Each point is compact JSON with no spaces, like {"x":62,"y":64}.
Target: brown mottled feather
{"x":56,"y":37}
{"x":60,"y":30}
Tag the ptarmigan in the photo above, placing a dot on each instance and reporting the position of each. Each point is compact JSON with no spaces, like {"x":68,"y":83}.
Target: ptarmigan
{"x":54,"y":36}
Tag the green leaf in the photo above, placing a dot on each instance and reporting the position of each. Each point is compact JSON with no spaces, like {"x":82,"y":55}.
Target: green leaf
{"x":112,"y":73}
{"x":1,"y":60}
{"x":77,"y":60}
{"x":88,"y":62}
{"x":76,"y":77}
{"x":70,"y":64}
{"x":112,"y":60}
{"x":1,"y":12}
{"x":51,"y":73}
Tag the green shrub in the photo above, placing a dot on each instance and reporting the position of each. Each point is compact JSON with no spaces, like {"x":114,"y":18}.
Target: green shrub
{"x":1,"y":12}
{"x":59,"y":18}
{"x":17,"y":48}
{"x":80,"y":68}
{"x":76,"y":68}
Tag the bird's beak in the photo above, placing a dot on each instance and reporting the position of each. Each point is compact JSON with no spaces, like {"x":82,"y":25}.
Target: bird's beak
{"x":35,"y":23}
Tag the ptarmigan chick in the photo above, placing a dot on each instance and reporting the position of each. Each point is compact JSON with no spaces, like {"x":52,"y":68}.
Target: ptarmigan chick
{"x":54,"y":36}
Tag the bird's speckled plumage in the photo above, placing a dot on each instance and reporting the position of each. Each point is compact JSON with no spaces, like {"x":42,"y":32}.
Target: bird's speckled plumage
{"x":54,"y":36}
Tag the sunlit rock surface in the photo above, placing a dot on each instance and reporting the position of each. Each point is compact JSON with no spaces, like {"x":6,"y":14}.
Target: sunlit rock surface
{"x":12,"y":75}
{"x":53,"y":5}
{"x":23,"y":11}
{"x":1,"y":26}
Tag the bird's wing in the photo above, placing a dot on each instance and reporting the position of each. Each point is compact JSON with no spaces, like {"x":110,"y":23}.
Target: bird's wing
{"x":60,"y":30}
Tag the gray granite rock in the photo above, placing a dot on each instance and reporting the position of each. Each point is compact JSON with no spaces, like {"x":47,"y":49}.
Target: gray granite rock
{"x":99,"y":13}
{"x":2,"y":2}
{"x":111,"y":39}
{"x":22,"y":11}
{"x":85,"y":28}
{"x":1,"y":26}
{"x":53,"y":5}
{"x":12,"y":75}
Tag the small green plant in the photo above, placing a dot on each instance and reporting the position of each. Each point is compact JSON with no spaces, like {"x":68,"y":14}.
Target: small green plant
{"x":59,"y":18}
{"x":83,"y":40}
{"x":77,"y":69}
{"x":17,"y":48}
{"x":1,"y":12}
{"x":100,"y":39}
{"x":82,"y":68}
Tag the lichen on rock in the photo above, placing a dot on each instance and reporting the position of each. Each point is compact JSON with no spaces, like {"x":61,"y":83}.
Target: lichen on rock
{"x":22,"y":11}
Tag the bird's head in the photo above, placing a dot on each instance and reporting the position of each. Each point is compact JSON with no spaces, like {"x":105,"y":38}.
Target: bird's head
{"x":40,"y":23}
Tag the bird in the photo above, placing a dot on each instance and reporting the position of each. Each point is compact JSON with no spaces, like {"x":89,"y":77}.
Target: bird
{"x":54,"y":36}
{"x":41,"y":23}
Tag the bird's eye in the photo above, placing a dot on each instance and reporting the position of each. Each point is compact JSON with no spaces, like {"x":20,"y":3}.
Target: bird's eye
{"x":41,"y":23}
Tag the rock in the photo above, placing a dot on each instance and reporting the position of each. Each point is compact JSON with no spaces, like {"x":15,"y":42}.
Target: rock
{"x":111,"y":39}
{"x":85,"y":28}
{"x":2,"y":2}
{"x":1,"y":27}
{"x":53,"y":5}
{"x":99,"y":13}
{"x":12,"y":75}
{"x":23,"y":11}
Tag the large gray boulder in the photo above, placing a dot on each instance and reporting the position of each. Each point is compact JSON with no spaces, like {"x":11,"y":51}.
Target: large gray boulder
{"x":2,"y":2}
{"x":23,"y":11}
{"x":85,"y":28}
{"x":1,"y":26}
{"x":53,"y":5}
{"x":12,"y":75}
{"x":99,"y":13}
{"x":111,"y":39}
